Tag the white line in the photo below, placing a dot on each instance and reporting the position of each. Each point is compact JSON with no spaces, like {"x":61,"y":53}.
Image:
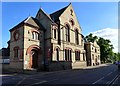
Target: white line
{"x":37,"y":83}
{"x":109,"y":73}
{"x":41,"y":82}
{"x":53,"y":80}
{"x":20,"y":82}
{"x":116,"y":79}
{"x":98,"y":80}
{"x":113,"y":78}
{"x":107,"y":82}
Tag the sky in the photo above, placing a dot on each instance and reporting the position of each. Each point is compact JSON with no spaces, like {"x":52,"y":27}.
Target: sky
{"x":99,"y":18}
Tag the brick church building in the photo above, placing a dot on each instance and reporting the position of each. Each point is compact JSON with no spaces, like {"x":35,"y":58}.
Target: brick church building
{"x":48,"y":42}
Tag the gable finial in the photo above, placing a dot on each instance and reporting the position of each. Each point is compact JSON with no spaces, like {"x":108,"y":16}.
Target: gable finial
{"x":70,"y":3}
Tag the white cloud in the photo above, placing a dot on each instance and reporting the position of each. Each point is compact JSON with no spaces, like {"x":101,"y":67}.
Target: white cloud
{"x":109,"y":33}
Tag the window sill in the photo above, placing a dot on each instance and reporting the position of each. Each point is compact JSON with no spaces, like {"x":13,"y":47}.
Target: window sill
{"x":35,"y":40}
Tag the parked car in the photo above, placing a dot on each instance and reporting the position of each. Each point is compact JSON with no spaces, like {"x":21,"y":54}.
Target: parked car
{"x":117,"y":62}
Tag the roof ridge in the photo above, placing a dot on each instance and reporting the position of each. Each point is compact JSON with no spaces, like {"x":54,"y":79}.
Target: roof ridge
{"x":59,"y":10}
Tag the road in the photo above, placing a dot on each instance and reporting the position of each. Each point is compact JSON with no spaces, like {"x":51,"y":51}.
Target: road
{"x":107,"y":74}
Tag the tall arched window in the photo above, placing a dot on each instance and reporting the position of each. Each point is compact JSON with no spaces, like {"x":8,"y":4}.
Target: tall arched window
{"x":55,"y":33}
{"x":68,"y":54}
{"x":57,"y":54}
{"x":77,"y":55}
{"x":16,"y":52}
{"x":76,"y":37}
{"x":67,"y":33}
{"x":35,"y":35}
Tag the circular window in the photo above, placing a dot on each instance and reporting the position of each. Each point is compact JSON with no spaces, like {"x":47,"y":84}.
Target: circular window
{"x":16,"y":35}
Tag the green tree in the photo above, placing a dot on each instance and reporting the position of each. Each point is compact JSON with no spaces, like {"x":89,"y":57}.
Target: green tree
{"x":90,"y":38}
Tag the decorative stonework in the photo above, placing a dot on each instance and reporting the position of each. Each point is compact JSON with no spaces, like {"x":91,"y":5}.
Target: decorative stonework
{"x":16,"y":35}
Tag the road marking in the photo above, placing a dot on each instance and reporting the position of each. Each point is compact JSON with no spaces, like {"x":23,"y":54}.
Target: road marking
{"x":104,"y":77}
{"x":37,"y":83}
{"x":98,"y":80}
{"x":109,"y":73}
{"x":7,"y":74}
{"x":20,"y":82}
{"x":107,"y":82}
{"x":53,"y":80}
{"x":42,"y":82}
{"x":114,"y":70}
{"x":113,"y":80}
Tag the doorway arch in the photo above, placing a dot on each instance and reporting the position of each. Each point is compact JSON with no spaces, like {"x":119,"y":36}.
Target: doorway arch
{"x":34,"y":52}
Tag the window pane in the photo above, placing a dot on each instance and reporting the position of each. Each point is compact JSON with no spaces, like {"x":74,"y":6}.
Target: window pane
{"x":55,"y":33}
{"x":57,"y":51}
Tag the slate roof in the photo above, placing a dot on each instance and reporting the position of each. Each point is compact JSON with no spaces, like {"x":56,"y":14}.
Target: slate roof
{"x":55,"y":16}
{"x":38,"y":23}
{"x":23,"y":22}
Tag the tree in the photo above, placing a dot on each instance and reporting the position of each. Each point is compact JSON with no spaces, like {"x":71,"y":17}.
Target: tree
{"x":90,"y":38}
{"x":106,"y":50}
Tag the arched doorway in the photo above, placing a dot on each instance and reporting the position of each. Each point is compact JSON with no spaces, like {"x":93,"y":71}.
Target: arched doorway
{"x":34,"y":59}
{"x":34,"y":52}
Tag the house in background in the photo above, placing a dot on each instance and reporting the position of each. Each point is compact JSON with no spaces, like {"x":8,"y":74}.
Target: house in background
{"x":5,"y":55}
{"x":92,"y":53}
{"x":48,"y":42}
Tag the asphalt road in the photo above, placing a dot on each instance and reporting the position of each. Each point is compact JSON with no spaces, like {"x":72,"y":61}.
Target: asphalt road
{"x":107,"y":74}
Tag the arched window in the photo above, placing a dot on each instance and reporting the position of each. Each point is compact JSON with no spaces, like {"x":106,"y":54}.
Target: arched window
{"x":72,"y":22}
{"x":77,"y":55}
{"x":95,"y":50}
{"x":92,"y":56}
{"x":68,"y":54}
{"x":67,"y":33}
{"x":57,"y":54}
{"x":16,"y":52}
{"x":76,"y":37}
{"x":55,"y":33}
{"x":35,"y":35}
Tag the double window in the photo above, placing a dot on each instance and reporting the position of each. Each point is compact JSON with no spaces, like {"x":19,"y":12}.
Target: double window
{"x":68,"y":55}
{"x":77,"y":55}
{"x":35,"y":35}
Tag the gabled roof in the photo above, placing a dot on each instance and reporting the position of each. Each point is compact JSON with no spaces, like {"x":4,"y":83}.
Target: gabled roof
{"x":48,"y":16}
{"x":38,"y":23}
{"x":21,"y":23}
{"x":58,"y":13}
{"x":31,"y":21}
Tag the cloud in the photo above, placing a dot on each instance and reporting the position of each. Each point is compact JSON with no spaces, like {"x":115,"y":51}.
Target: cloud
{"x":109,"y":33}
